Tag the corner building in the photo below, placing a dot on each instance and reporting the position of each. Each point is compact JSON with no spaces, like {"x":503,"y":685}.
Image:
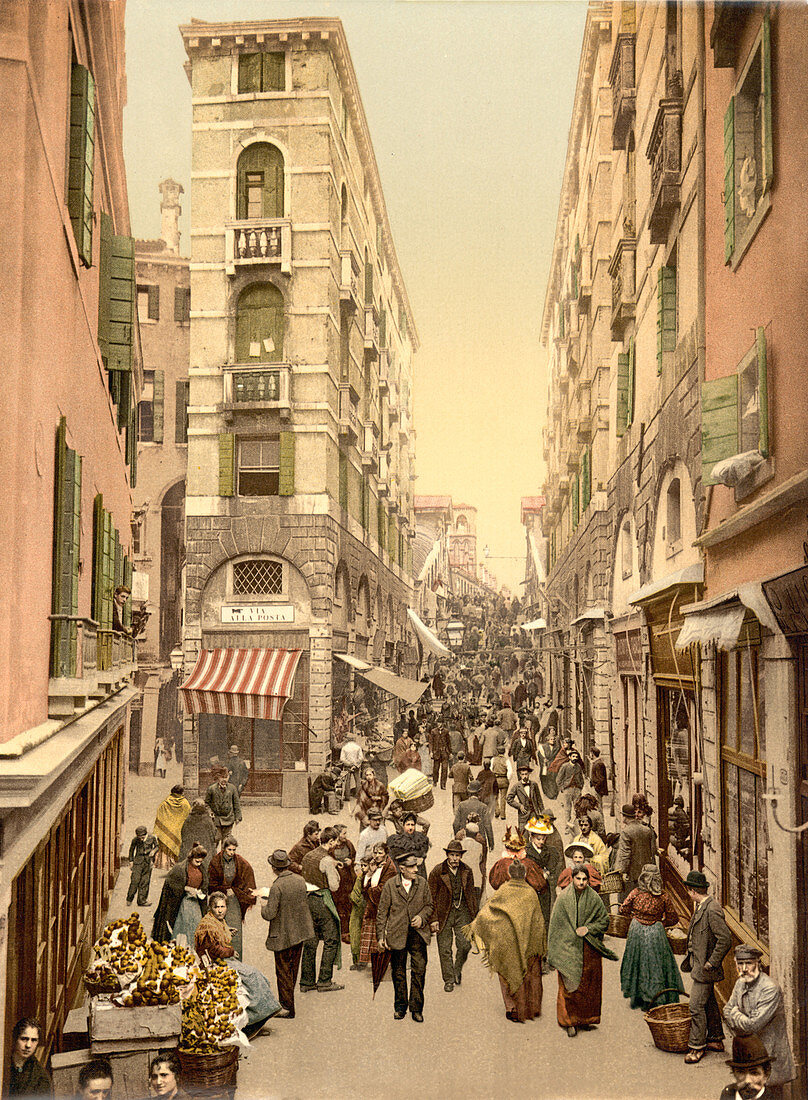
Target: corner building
{"x":298,"y":505}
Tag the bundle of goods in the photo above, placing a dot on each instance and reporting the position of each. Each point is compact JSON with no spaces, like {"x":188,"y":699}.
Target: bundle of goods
{"x":414,"y":789}
{"x":213,"y":1015}
{"x":119,"y":956}
{"x":168,"y":969}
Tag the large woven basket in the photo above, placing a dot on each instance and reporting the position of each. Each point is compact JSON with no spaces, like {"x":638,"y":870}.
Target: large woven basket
{"x":612,"y":883}
{"x":618,"y":925}
{"x":204,"y":1073}
{"x":669,"y":1024}
{"x":418,"y":805}
{"x":677,"y":938}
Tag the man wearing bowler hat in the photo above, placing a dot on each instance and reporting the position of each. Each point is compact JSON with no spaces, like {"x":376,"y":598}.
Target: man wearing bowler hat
{"x":708,"y":941}
{"x":751,"y":1066}
{"x":755,"y":1007}
{"x":454,"y":899}
{"x":290,"y":926}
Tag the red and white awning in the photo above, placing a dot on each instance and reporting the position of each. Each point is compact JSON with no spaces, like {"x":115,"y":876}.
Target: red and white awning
{"x":249,"y":683}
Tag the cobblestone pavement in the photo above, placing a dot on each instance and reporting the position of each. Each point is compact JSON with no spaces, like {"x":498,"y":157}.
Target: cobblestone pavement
{"x":347,"y":1045}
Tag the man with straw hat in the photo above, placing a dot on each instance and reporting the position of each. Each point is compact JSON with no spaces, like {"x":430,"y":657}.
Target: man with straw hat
{"x":454,"y":899}
{"x":751,"y":1067}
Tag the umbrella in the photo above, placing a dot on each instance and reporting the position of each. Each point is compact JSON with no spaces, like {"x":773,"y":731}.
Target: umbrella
{"x":379,"y":961}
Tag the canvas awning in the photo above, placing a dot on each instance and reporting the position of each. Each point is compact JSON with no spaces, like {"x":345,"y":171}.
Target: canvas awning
{"x":354,"y":662}
{"x":248,"y":683}
{"x":428,"y":639}
{"x":593,"y":614}
{"x":535,"y":624}
{"x":720,"y":620}
{"x":400,"y":686}
{"x":691,"y":574}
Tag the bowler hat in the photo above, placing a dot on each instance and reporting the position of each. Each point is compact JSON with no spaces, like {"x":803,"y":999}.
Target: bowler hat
{"x":697,"y":880}
{"x":141,"y":830}
{"x":454,"y":846}
{"x":279,"y":859}
{"x":628,"y":810}
{"x":748,"y":1051}
{"x":234,"y":750}
{"x":746,"y":952}
{"x":474,"y":786}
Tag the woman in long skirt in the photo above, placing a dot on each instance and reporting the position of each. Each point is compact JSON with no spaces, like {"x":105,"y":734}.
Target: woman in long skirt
{"x":648,"y":964}
{"x":576,"y":950}
{"x":383,"y":869}
{"x":171,"y":815}
{"x":233,"y":875}
{"x":182,"y":899}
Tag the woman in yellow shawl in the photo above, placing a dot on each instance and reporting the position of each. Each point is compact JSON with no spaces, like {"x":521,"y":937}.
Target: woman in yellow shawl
{"x":171,"y":815}
{"x":509,"y":931}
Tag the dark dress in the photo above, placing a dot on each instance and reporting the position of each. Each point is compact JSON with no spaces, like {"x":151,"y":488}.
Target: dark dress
{"x":31,"y":1079}
{"x":171,"y":898}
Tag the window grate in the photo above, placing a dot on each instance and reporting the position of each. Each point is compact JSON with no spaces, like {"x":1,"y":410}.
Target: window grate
{"x":257,"y":578}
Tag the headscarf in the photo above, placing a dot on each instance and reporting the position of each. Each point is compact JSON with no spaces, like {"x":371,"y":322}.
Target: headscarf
{"x":171,"y":815}
{"x":509,"y":931}
{"x":650,"y":880}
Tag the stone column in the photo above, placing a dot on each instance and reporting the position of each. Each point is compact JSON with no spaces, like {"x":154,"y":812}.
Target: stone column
{"x":321,"y":640}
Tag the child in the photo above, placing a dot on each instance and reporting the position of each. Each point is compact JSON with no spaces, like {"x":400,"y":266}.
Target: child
{"x":142,"y":851}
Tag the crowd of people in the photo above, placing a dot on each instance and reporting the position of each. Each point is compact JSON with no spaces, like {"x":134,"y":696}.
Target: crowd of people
{"x":538,"y":910}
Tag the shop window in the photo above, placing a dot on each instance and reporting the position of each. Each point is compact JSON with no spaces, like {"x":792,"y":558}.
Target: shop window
{"x":261,"y":72}
{"x":743,"y":776}
{"x":677,"y":814}
{"x":259,"y":182}
{"x":258,"y":467}
{"x":256,"y":577}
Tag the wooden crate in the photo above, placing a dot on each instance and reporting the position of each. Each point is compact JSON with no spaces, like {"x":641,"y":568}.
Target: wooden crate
{"x":113,"y":1030}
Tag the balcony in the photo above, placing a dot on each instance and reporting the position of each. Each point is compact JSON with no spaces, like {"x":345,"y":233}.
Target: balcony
{"x":369,"y":447}
{"x":623,"y":273}
{"x":624,"y":92}
{"x":584,"y":429}
{"x":348,"y":416}
{"x":404,"y":424}
{"x":665,"y":154}
{"x":349,"y":294}
{"x":371,"y":333}
{"x":384,"y":474}
{"x":257,"y":242}
{"x":573,"y":461}
{"x":99,"y":662}
{"x":384,"y":372}
{"x":250,"y":388}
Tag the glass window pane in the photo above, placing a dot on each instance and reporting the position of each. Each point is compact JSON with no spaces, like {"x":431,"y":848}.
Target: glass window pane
{"x":730,"y":725}
{"x":732,"y":887}
{"x":249,"y":453}
{"x":762,"y":838}
{"x":270,"y":454}
{"x":746,"y":675}
{"x":266,"y":745}
{"x":747,"y":856}
{"x":213,"y":741}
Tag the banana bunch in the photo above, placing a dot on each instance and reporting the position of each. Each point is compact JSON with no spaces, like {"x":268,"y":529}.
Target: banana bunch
{"x":208,"y":1014}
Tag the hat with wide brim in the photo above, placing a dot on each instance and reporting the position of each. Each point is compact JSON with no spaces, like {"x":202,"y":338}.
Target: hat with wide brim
{"x":579,"y":846}
{"x":514,"y":841}
{"x":455,"y":846}
{"x":279,"y":859}
{"x":697,"y":880}
{"x":748,"y":1052}
{"x":541,"y":826}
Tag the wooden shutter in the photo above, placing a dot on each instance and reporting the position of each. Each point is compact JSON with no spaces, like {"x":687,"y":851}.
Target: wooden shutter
{"x":365,"y":504}
{"x":368,"y":284}
{"x":383,"y":328}
{"x":763,"y":391}
{"x":104,"y":277}
{"x":586,"y":479}
{"x":66,"y":545}
{"x":259,"y":317}
{"x":273,"y":183}
{"x":158,"y":404}
{"x":273,"y":72}
{"x":729,"y":181}
{"x":719,"y":423}
{"x":621,"y":405}
{"x":766,"y":66}
{"x":249,"y":73}
{"x":632,"y":382}
{"x":154,"y":302}
{"x":131,"y":444}
{"x":381,"y":526}
{"x":181,"y":411}
{"x":82,"y":153}
{"x":109,"y":571}
{"x":227,"y":464}
{"x":392,"y":540}
{"x":266,"y":159}
{"x":576,"y":501}
{"x":666,"y":313}
{"x":182,"y":303}
{"x":98,"y":558}
{"x":127,"y":580}
{"x":343,"y":481}
{"x":286,"y":480}
{"x":121,"y":302}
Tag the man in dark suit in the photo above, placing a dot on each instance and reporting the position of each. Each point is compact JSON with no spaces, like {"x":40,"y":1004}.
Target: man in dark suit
{"x":454,"y":898}
{"x":708,"y":941}
{"x":635,"y":849}
{"x":290,"y":926}
{"x":440,"y":749}
{"x":525,"y":797}
{"x":402,"y":927}
{"x":473,"y":805}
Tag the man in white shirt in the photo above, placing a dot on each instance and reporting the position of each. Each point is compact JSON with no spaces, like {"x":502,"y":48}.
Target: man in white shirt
{"x":373,"y":833}
{"x":352,"y":757}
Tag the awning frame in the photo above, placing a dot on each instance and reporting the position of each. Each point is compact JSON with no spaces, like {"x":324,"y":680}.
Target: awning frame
{"x":239,"y":682}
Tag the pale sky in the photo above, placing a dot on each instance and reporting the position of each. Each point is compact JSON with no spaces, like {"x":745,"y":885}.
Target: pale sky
{"x":469,"y":106}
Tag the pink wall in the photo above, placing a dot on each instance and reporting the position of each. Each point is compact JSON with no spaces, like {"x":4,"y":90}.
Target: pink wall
{"x":767,"y":288}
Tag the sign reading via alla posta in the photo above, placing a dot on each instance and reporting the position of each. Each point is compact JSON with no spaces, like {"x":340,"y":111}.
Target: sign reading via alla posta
{"x":258,"y":613}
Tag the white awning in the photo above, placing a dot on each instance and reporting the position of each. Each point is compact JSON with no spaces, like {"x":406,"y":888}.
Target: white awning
{"x":400,"y":686}
{"x":431,"y":558}
{"x":538,"y":564}
{"x":720,"y":620}
{"x":691,"y":574}
{"x":354,"y":662}
{"x":536,"y":624}
{"x":428,"y":639}
{"x":593,"y":614}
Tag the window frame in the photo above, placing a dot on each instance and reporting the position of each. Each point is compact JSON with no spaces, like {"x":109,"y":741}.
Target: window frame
{"x":266,"y":470}
{"x":281,"y":596}
{"x":262,"y":72}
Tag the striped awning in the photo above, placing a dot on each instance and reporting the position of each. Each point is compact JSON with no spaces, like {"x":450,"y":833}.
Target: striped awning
{"x":249,"y":683}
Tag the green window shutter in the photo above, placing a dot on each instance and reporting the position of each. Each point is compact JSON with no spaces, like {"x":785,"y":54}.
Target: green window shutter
{"x":381,"y":525}
{"x":98,"y":558}
{"x":158,"y":405}
{"x":364,"y":499}
{"x":729,"y":181}
{"x":632,"y":382}
{"x":574,"y":277}
{"x":80,"y":168}
{"x":666,"y":313}
{"x":576,"y":500}
{"x":586,"y":479}
{"x":181,"y":411}
{"x":121,"y":303}
{"x":66,"y":547}
{"x":227,"y":464}
{"x":249,"y":73}
{"x":127,"y":580}
{"x":122,"y":394}
{"x":104,"y":285}
{"x":368,"y":284}
{"x":154,"y":302}
{"x":286,"y":480}
{"x":766,"y":63}
{"x":273,"y":72}
{"x":763,"y":391}
{"x":182,"y":303}
{"x":391,"y":538}
{"x":343,"y":481}
{"x":131,"y":444}
{"x":109,"y":572}
{"x":622,"y":420}
{"x":260,"y":324}
{"x":266,"y":159}
{"x":719,"y":423}
{"x":383,"y":328}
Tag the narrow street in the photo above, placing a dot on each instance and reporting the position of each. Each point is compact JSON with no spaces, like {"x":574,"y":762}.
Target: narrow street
{"x":337,"y":1043}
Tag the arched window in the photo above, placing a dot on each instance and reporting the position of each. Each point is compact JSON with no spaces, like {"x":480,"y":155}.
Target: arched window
{"x":259,"y":325}
{"x":462,"y":525}
{"x":259,"y":176}
{"x":673,"y":513}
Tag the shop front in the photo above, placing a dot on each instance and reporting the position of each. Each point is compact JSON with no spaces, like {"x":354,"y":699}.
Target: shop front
{"x":628,"y":747}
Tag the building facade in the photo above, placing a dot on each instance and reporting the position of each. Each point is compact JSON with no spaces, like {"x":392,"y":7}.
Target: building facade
{"x":72,"y":377}
{"x":158,"y":523}
{"x":300,"y":443}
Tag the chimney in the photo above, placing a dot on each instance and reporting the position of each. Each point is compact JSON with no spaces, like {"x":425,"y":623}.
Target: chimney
{"x":170,"y":208}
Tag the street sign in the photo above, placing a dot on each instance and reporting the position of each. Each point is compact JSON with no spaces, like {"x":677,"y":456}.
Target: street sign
{"x":258,"y":613}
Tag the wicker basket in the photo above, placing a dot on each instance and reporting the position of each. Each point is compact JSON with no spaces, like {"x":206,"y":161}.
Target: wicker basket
{"x":618,"y":925}
{"x":677,"y":938}
{"x":669,"y":1024}
{"x":202,"y":1073}
{"x":418,"y":805}
{"x":96,"y":987}
{"x":612,"y":883}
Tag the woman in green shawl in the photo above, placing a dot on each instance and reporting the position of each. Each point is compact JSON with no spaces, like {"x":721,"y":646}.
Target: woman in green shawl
{"x":577,"y":924}
{"x":509,"y":932}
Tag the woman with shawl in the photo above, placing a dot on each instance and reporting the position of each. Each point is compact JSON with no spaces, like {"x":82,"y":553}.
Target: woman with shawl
{"x":344,"y":854}
{"x":648,"y":964}
{"x":509,"y":931}
{"x":372,"y":796}
{"x":198,"y":828}
{"x":383,"y":869}
{"x":576,"y":949}
{"x":182,"y":899}
{"x":214,"y":938}
{"x":171,"y":815}
{"x":231,"y":874}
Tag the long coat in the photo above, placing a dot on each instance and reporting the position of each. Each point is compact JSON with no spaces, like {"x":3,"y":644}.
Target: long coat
{"x":635,"y":849}
{"x":287,"y":910}
{"x":171,"y":897}
{"x":708,"y":940}
{"x":397,"y":908}
{"x":241,"y":885}
{"x":757,"y":1009}
{"x":526,"y":805}
{"x":473,"y":805}
{"x":440,"y":885}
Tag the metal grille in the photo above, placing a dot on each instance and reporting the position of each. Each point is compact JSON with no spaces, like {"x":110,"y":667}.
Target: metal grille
{"x":257,"y":578}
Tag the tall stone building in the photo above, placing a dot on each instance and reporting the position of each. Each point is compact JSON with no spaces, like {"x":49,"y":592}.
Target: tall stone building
{"x":158,"y":523}
{"x":71,"y":379}
{"x":298,"y":503}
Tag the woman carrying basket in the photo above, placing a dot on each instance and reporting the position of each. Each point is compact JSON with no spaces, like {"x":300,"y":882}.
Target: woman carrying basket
{"x":648,"y":964}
